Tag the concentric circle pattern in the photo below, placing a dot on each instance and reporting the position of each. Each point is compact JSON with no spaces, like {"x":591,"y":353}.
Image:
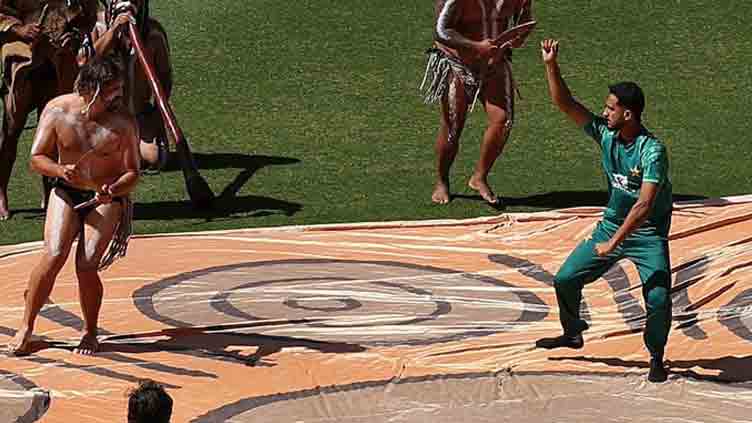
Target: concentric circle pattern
{"x":370,"y":303}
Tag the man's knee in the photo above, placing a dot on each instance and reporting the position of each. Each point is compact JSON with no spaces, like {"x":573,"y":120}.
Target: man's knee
{"x":87,"y":262}
{"x":658,"y":299}
{"x":500,"y":124}
{"x":567,"y":280}
{"x":498,"y":117}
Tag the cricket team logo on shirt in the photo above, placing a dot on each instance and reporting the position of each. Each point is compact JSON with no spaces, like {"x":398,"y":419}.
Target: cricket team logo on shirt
{"x":631,"y":183}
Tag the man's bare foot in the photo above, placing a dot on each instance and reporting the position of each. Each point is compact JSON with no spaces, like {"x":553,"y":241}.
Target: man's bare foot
{"x":89,"y":345}
{"x":21,"y":343}
{"x":479,"y":184}
{"x":440,"y":193}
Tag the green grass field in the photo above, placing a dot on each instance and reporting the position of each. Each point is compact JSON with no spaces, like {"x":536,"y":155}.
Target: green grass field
{"x":308,"y":112}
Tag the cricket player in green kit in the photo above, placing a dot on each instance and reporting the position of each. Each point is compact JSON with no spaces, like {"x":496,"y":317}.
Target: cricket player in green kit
{"x":636,"y":222}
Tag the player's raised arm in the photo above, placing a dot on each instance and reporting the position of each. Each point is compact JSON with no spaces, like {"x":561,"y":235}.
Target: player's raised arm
{"x":560,"y":93}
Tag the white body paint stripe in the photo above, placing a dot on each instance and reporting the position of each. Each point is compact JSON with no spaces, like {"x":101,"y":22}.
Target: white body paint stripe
{"x":441,"y":22}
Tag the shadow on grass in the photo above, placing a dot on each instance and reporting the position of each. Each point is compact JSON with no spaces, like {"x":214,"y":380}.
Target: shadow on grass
{"x":227,"y":202}
{"x":230,"y":161}
{"x":501,"y":205}
{"x":29,"y":214}
{"x":568,"y":199}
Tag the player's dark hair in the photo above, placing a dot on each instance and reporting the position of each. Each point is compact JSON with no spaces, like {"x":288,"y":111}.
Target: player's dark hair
{"x":630,"y":97}
{"x":97,"y":72}
{"x":149,"y":403}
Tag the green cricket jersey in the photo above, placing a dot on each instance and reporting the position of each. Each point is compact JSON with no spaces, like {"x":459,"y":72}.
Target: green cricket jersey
{"x":626,"y":168}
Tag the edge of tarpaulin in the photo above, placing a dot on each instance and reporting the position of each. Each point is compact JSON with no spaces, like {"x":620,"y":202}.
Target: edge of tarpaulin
{"x":28,"y":247}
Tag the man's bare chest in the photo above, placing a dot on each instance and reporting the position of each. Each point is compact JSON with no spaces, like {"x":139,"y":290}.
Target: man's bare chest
{"x":483,"y":12}
{"x":79,"y":136}
{"x":478,"y":19}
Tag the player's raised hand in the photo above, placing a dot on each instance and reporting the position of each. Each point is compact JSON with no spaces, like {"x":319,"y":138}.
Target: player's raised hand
{"x":549,"y":50}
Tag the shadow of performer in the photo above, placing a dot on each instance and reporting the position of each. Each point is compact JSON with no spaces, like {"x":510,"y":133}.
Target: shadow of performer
{"x":732,"y":369}
{"x":227,"y":202}
{"x":216,"y":346}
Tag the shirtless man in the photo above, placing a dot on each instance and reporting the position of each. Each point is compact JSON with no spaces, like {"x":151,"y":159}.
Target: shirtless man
{"x":40,"y":40}
{"x":469,"y":63}
{"x":91,"y":148}
{"x":110,"y":37}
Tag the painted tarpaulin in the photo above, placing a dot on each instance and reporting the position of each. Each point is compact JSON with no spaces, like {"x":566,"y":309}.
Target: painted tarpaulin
{"x":399,"y":321}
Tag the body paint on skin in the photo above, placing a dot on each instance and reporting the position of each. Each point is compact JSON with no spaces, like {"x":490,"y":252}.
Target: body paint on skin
{"x":442,"y":21}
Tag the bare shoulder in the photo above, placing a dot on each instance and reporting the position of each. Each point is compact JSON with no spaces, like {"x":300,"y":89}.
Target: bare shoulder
{"x":62,"y":105}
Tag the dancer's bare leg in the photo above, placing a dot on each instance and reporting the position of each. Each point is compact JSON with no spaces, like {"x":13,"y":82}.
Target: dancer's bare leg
{"x":17,"y":109}
{"x":453,"y":114}
{"x":60,"y":229}
{"x":498,"y":101}
{"x":99,"y":228}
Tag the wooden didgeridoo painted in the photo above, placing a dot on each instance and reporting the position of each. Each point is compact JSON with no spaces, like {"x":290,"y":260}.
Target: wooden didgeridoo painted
{"x":200,"y":194}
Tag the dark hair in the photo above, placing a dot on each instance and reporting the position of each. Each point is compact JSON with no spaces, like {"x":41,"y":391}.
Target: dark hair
{"x":149,"y":403}
{"x":96,"y":72}
{"x":630,"y":96}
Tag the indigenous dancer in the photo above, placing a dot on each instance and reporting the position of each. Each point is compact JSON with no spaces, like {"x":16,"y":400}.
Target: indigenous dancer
{"x":39,"y":42}
{"x":90,"y":146}
{"x":636,"y":222}
{"x":468,"y":63}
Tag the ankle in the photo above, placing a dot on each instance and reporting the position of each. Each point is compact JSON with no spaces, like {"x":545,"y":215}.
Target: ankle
{"x":478,"y":176}
{"x":24,"y":328}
